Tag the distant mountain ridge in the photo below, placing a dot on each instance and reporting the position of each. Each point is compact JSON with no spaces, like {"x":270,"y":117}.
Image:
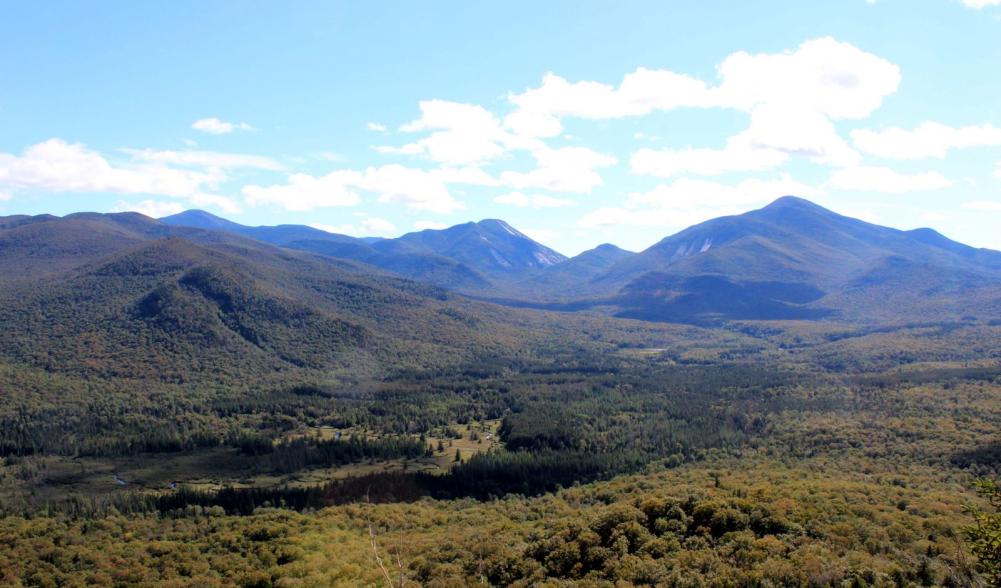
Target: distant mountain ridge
{"x":791,"y":259}
{"x":464,"y":257}
{"x":794,"y":259}
{"x":125,"y":295}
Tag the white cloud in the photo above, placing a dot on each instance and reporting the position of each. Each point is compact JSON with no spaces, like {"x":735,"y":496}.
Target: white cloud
{"x":982,"y":205}
{"x":151,"y":208}
{"x":58,"y":166}
{"x":416,"y":189}
{"x":423,"y":225}
{"x":304,"y":192}
{"x":929,"y":139}
{"x":367,"y":227}
{"x":884,"y":179}
{"x":566,"y":169}
{"x":214,"y":126}
{"x":792,"y":98}
{"x":539,"y":110}
{"x":376,"y":127}
{"x":465,"y":136}
{"x":794,"y":130}
{"x":523,"y":200}
{"x":824,"y":76}
{"x":460,"y":134}
{"x":5,"y":196}
{"x":686,"y":202}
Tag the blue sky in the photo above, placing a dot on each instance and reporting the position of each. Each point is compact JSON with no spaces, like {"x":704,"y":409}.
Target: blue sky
{"x":577,"y":122}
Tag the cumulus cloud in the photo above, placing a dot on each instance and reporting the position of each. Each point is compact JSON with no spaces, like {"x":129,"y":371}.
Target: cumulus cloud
{"x":415,"y":188}
{"x":376,"y":127}
{"x":929,"y":139}
{"x":685,"y":202}
{"x":566,"y":169}
{"x":886,"y":180}
{"x":214,"y":126}
{"x":799,"y":131}
{"x":464,"y":137}
{"x":58,"y":166}
{"x":460,"y":134}
{"x":775,"y":133}
{"x":792,"y":98}
{"x":824,"y":76}
{"x":523,"y":200}
{"x":540,"y":109}
{"x":303,"y":192}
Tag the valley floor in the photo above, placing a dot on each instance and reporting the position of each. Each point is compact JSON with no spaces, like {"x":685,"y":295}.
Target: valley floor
{"x":767,"y":455}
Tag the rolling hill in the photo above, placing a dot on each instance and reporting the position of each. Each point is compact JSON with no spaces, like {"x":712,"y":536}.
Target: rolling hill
{"x":123,"y":295}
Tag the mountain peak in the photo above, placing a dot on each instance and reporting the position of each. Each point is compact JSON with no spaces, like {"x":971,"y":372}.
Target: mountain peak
{"x":609,"y":247}
{"x":497,"y":224}
{"x":200,"y":219}
{"x":794,"y":202}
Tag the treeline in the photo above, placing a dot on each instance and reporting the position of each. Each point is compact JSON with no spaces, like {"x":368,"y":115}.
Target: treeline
{"x":484,"y":476}
{"x":303,"y":452}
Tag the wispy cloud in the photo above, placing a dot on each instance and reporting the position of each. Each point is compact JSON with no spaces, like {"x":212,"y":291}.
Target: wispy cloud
{"x":929,"y":139}
{"x":215,"y":126}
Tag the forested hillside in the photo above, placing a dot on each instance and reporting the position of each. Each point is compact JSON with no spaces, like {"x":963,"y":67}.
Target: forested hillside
{"x":248,"y":410}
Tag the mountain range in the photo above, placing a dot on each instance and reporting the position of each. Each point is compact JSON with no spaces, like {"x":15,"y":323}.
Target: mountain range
{"x":789,"y":260}
{"x":123,"y":294}
{"x":127,"y":296}
{"x":194,"y":297}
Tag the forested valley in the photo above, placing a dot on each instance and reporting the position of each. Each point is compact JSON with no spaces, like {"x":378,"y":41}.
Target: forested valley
{"x":188,"y":407}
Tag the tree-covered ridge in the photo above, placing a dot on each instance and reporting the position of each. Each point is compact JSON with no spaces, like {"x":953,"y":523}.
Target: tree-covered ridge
{"x":303,"y":420}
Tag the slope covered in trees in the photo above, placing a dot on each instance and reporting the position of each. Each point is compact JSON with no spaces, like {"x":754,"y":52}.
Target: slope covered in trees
{"x":191,"y":407}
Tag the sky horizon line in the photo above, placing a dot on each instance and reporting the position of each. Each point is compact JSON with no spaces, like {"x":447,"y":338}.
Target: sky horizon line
{"x":320,"y":227}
